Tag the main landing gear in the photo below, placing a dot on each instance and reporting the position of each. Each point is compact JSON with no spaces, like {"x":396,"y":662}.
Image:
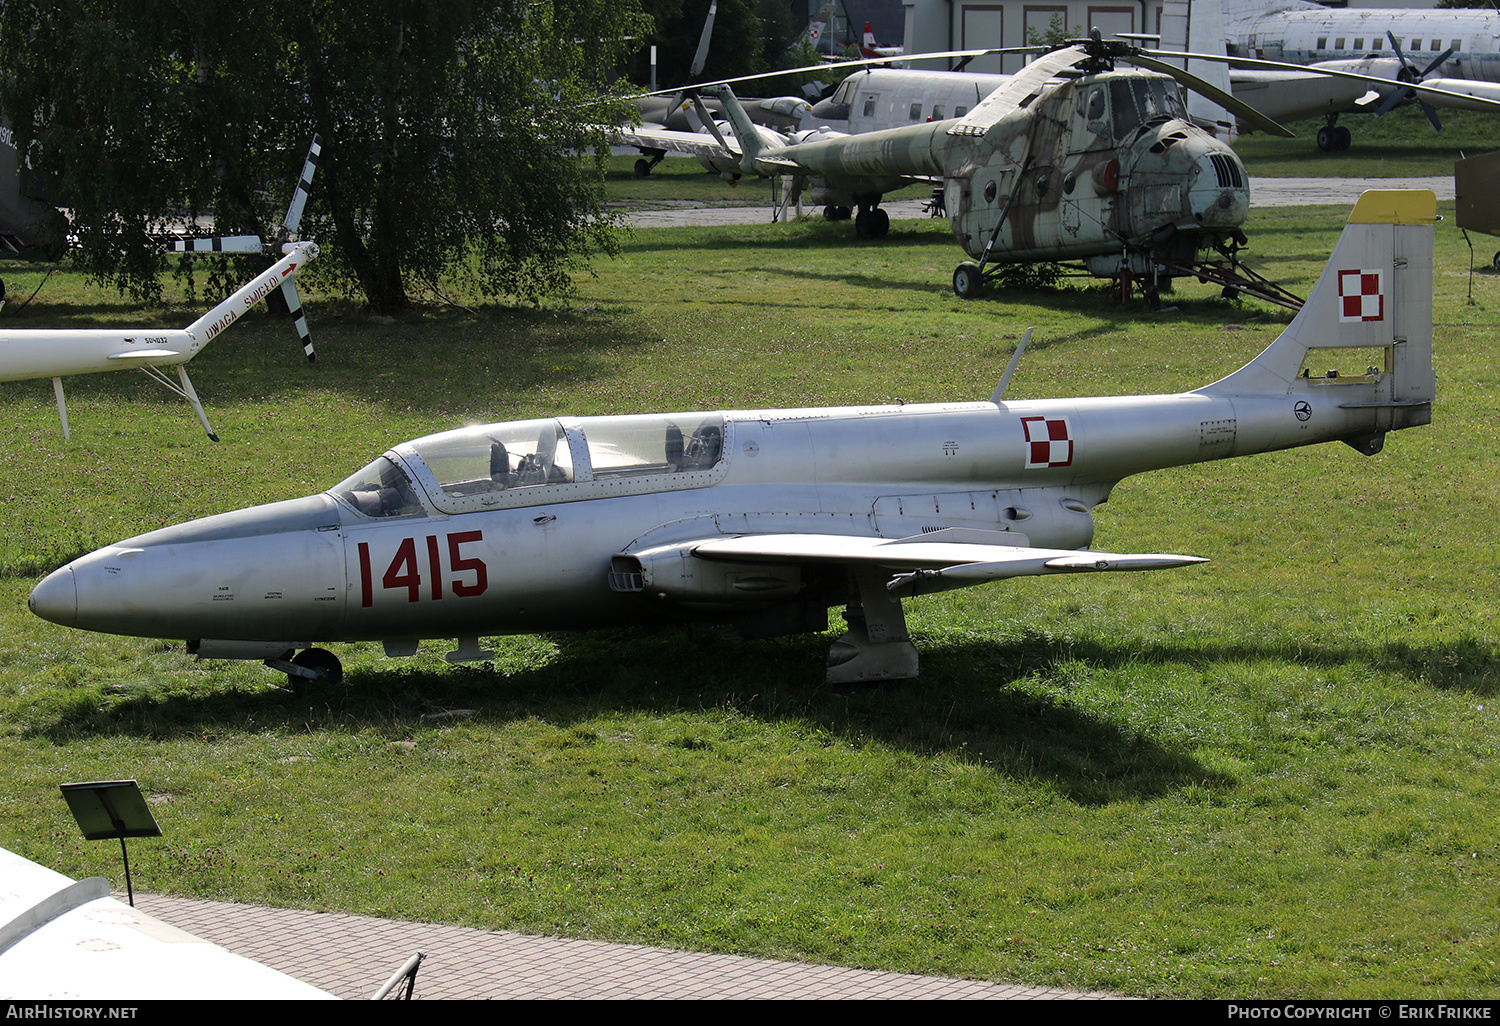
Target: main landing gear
{"x":968,"y":280}
{"x":870,"y":223}
{"x":310,"y":666}
{"x":1333,"y":137}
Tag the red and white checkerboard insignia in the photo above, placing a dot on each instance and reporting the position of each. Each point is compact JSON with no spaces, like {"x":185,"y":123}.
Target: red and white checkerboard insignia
{"x":1047,"y":442}
{"x":1361,"y":296}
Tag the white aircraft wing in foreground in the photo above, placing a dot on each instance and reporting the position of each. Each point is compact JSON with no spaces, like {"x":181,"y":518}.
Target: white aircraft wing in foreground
{"x":62,"y":940}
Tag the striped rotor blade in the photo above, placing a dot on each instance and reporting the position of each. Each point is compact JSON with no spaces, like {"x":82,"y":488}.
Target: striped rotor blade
{"x":224,"y":244}
{"x":294,"y":304}
{"x":299,"y":195}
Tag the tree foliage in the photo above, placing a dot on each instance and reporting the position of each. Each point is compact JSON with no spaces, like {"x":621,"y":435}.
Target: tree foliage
{"x":751,"y":37}
{"x":456,"y":135}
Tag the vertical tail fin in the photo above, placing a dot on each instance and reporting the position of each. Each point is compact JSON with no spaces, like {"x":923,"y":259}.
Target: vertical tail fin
{"x":1373,"y":301}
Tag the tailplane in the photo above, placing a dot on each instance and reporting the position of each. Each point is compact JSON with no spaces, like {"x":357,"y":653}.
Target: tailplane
{"x":1364,"y":336}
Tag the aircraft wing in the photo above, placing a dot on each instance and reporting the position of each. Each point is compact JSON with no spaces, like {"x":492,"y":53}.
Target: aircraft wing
{"x":695,"y":144}
{"x":69,"y":941}
{"x":955,"y":554}
{"x":1464,"y":94}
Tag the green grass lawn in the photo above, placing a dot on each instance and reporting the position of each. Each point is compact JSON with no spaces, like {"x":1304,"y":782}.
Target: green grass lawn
{"x":1272,"y":775}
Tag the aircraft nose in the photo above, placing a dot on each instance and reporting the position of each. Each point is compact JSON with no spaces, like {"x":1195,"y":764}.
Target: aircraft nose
{"x":55,"y":598}
{"x":1221,"y":196}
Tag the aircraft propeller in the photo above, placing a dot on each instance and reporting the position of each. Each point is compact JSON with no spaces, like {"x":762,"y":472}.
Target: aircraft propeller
{"x":285,"y":236}
{"x":1409,"y":73}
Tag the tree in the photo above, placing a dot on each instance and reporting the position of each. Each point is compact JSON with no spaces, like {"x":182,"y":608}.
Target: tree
{"x":457,"y":135}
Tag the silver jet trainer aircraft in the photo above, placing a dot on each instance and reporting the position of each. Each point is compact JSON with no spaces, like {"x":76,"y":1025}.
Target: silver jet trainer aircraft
{"x":762,"y":519}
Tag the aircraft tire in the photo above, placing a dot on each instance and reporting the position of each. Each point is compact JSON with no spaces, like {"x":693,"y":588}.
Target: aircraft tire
{"x":642,"y":168}
{"x":880,"y":224}
{"x":317,"y":659}
{"x":1342,"y":138}
{"x":862,"y":225}
{"x":1326,"y":141}
{"x":968,"y":280}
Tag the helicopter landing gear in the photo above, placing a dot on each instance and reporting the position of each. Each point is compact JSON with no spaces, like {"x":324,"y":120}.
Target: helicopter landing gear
{"x":1334,"y":138}
{"x":968,"y":280}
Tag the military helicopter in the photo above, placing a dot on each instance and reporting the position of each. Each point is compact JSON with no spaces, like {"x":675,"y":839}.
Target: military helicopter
{"x":1073,"y":158}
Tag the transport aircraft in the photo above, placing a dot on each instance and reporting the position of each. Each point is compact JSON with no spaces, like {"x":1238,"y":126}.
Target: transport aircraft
{"x":1454,"y":51}
{"x":756,"y":520}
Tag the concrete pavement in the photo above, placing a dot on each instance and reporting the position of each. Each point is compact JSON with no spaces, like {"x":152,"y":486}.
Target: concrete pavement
{"x":351,"y":956}
{"x":1264,"y":192}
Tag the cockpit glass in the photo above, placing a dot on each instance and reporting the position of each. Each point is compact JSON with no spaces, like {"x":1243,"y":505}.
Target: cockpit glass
{"x":628,"y":446}
{"x":497,"y":456}
{"x":1141,"y":101}
{"x":381,"y":489}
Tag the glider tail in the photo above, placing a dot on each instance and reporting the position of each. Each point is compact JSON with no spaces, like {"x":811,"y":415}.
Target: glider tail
{"x":1358,"y":355}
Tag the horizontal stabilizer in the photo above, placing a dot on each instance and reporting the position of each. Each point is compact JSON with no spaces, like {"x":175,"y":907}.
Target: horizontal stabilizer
{"x":144,"y":354}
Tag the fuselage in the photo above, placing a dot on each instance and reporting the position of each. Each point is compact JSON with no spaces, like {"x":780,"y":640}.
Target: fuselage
{"x":1309,"y":36}
{"x":40,"y":353}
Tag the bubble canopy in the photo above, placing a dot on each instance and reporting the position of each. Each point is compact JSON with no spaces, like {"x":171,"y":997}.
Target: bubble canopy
{"x":530,"y":461}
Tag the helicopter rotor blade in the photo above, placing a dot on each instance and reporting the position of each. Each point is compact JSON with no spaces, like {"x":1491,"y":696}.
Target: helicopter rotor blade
{"x":299,"y":319}
{"x":219,"y":244}
{"x":299,"y":194}
{"x":867,"y":62}
{"x":1470,"y":101}
{"x":700,"y":58}
{"x":1203,"y":87}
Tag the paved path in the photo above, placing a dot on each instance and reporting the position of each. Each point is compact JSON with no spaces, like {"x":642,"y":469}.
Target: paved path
{"x":352,"y":956}
{"x":1264,"y":192}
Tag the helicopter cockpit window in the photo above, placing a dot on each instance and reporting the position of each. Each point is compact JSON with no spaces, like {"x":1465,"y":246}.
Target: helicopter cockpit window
{"x":494,"y":457}
{"x":1093,"y":104}
{"x":632,"y":446}
{"x":381,"y":489}
{"x":1144,"y":101}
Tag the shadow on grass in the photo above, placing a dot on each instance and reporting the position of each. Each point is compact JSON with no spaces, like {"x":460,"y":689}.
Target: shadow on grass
{"x":982,"y":717}
{"x":974,"y":702}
